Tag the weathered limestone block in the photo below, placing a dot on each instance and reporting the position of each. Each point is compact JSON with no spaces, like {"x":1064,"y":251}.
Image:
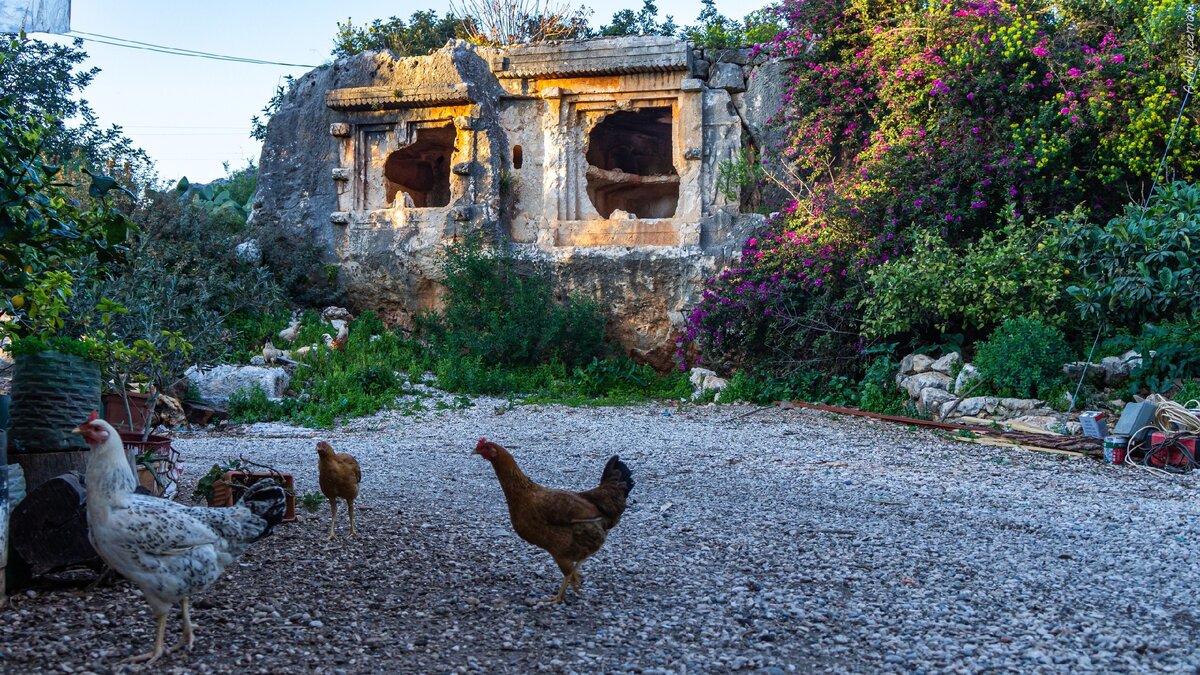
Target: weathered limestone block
{"x":945,"y":365}
{"x":704,"y":380}
{"x":915,"y":363}
{"x":966,"y":379}
{"x":932,"y":399}
{"x":727,"y":76}
{"x":217,"y":384}
{"x":976,"y":406}
{"x":914,"y":384}
{"x":1019,"y":405}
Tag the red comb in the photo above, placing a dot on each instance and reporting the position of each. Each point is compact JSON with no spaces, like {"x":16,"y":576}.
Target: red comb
{"x":91,"y":418}
{"x":482,"y":442}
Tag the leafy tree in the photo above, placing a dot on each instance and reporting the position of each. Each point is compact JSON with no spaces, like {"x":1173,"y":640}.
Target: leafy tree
{"x":40,"y":226}
{"x":714,"y":28}
{"x":43,"y":80}
{"x":643,"y":22}
{"x":422,"y":33}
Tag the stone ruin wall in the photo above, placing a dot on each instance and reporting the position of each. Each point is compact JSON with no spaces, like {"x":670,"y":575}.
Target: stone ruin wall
{"x":601,"y":158}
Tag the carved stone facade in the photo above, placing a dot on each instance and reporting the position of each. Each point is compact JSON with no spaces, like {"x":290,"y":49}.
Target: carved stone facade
{"x":601,"y":157}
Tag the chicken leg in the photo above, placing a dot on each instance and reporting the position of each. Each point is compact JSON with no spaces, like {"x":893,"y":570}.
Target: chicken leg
{"x":332,"y":518}
{"x":152,"y":655}
{"x":350,"y":506}
{"x":569,"y":575}
{"x":188,"y":638}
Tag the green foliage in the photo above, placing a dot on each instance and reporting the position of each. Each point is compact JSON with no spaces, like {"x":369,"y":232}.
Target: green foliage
{"x":311,"y":501}
{"x":810,"y":386}
{"x":713,"y":30}
{"x":1188,"y":393}
{"x":204,"y":487}
{"x":227,"y":200}
{"x":41,"y":227}
{"x":1142,"y":266}
{"x":180,"y":283}
{"x":424,"y":32}
{"x":1023,"y":358}
{"x":360,"y":379}
{"x":878,"y":391}
{"x":643,"y":22}
{"x":1016,"y":270}
{"x":45,"y":81}
{"x":1170,"y":355}
{"x":509,"y":317}
{"x":738,"y":174}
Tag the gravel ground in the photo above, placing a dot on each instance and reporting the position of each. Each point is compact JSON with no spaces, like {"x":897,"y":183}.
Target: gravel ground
{"x":766,"y":541}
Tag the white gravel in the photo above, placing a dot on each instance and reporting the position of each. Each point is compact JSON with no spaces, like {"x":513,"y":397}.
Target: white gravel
{"x":770,"y":542}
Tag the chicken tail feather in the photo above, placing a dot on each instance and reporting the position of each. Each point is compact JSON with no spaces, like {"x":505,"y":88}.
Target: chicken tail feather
{"x":267,"y":500}
{"x":616,"y":471}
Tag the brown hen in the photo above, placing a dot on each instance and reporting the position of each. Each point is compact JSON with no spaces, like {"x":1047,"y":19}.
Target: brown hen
{"x":570,"y":525}
{"x":339,"y":476}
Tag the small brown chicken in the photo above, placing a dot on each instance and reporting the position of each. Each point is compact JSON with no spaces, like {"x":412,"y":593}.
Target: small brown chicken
{"x":339,"y":476}
{"x":570,"y":525}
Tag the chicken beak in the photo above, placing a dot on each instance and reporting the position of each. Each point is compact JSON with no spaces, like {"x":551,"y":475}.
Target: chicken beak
{"x":77,"y":430}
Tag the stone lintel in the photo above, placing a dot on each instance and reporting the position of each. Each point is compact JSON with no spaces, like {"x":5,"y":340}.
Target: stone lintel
{"x":605,"y":56}
{"x":587,"y":233}
{"x":359,"y":99}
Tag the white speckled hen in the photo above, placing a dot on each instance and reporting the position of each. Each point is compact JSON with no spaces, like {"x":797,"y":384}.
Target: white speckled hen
{"x":169,"y":550}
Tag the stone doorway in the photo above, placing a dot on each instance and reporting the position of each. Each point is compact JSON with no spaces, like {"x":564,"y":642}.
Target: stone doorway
{"x":630,"y":165}
{"x":418,"y":175}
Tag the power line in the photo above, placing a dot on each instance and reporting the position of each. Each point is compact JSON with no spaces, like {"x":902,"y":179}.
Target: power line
{"x":175,"y":51}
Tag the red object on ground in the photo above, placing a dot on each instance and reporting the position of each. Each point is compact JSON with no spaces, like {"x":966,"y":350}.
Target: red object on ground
{"x":1170,"y":454}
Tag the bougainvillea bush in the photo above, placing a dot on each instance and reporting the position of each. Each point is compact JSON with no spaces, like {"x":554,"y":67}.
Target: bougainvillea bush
{"x":918,"y":124}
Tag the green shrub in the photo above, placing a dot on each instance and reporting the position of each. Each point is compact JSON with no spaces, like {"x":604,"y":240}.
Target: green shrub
{"x":507,"y":316}
{"x":1015,"y":271}
{"x":1170,"y":355}
{"x":1189,"y":392}
{"x":1142,"y":266}
{"x":1024,"y":358}
{"x":878,"y":391}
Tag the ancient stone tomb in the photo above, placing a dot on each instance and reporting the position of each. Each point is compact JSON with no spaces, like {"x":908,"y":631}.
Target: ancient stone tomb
{"x":601,"y":157}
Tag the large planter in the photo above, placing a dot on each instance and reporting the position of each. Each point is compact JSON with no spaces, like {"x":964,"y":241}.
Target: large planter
{"x":117,"y":415}
{"x":52,"y":393}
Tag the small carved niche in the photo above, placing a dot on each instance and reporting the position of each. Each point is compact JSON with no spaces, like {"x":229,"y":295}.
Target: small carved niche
{"x":630,"y":166}
{"x":422,"y":170}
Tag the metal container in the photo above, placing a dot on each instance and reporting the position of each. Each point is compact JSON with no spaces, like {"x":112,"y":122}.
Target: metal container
{"x":1094,"y":423}
{"x":1115,"y":449}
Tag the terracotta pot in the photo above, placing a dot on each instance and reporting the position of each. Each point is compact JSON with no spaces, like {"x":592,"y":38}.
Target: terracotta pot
{"x":115,"y":414}
{"x":229,"y":489}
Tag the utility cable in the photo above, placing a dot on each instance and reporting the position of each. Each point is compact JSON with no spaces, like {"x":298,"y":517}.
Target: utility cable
{"x":176,"y":51}
{"x":1187,"y":94}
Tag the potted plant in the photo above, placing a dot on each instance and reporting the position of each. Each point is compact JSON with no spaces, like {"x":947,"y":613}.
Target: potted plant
{"x":225,"y":482}
{"x":56,"y":377}
{"x":210,"y":487}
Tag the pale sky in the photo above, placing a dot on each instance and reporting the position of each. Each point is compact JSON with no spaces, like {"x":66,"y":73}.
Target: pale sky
{"x":190,"y":114}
